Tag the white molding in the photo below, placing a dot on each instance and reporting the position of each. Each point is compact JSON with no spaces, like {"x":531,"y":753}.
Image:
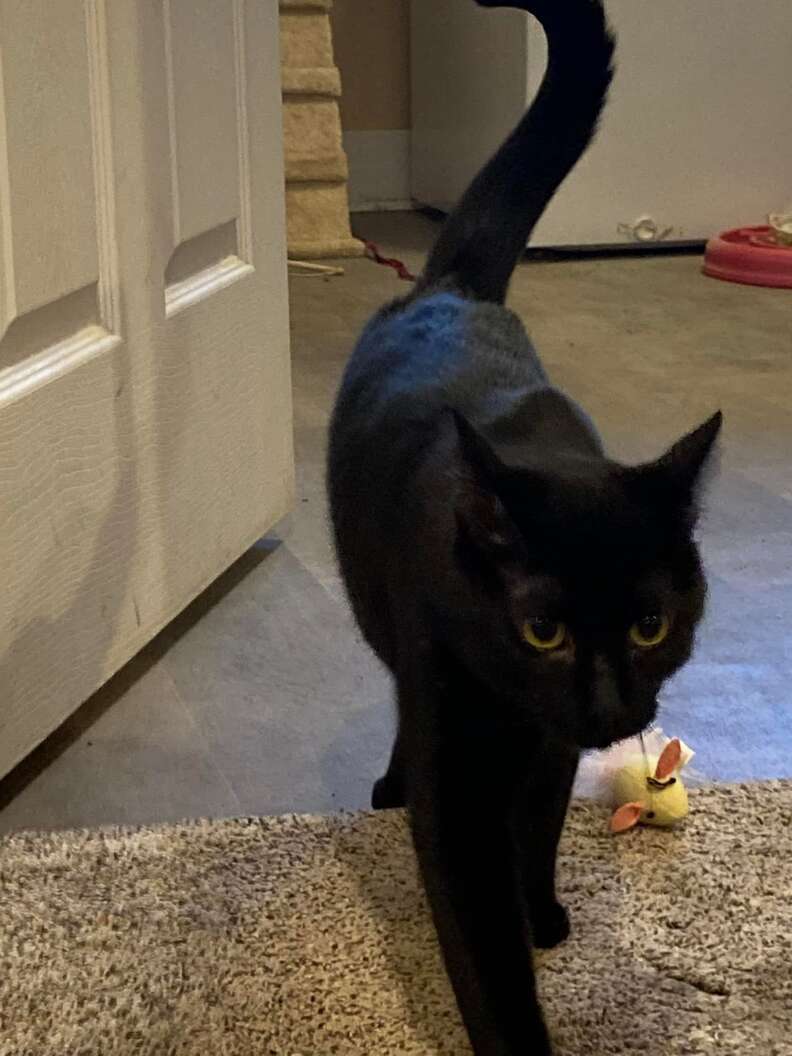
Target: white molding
{"x":245,"y":221}
{"x":204,"y":283}
{"x":379,"y":170}
{"x":109,"y":294}
{"x":54,"y":362}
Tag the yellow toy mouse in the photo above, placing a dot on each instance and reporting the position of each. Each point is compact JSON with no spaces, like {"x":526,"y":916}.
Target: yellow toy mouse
{"x":648,"y":790}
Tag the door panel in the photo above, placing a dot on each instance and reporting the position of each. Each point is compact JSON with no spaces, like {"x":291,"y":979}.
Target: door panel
{"x":145,"y":417}
{"x":50,"y":206}
{"x":57,"y":261}
{"x":205,"y":107}
{"x":209,"y":148}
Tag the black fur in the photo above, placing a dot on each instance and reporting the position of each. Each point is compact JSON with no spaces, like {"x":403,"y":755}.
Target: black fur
{"x":468,"y":497}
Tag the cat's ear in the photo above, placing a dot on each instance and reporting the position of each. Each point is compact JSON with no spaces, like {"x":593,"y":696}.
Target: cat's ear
{"x":480,"y":512}
{"x":684,"y":462}
{"x":476,"y":451}
{"x":676,"y":476}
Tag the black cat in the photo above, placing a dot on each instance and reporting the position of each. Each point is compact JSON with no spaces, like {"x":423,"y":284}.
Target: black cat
{"x":528,"y":594}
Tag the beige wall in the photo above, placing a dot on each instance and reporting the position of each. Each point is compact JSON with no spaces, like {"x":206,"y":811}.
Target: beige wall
{"x":372,"y":51}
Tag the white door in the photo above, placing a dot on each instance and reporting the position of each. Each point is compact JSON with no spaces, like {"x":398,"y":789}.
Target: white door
{"x":145,"y":416}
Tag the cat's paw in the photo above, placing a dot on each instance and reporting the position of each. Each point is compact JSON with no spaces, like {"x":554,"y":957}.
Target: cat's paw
{"x":549,"y":925}
{"x":387,"y":794}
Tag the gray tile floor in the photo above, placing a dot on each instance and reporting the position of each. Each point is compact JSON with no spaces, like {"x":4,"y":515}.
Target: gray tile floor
{"x":261,"y":698}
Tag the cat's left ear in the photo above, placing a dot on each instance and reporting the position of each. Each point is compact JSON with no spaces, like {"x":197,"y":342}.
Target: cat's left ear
{"x":684,"y":462}
{"x":677,"y":475}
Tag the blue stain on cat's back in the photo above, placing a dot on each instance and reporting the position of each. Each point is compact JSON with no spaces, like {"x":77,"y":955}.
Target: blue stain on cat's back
{"x":445,"y":347}
{"x":420,"y":341}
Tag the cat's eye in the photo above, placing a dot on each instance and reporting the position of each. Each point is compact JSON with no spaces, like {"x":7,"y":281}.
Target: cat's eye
{"x":544,"y":634}
{"x":650,"y":631}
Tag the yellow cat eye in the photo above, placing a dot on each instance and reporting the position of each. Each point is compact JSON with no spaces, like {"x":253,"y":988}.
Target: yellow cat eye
{"x":650,"y":631}
{"x":544,"y":635}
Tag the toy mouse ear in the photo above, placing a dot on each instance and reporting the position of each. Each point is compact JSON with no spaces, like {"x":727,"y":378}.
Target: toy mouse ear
{"x":669,"y":760}
{"x":626,"y":817}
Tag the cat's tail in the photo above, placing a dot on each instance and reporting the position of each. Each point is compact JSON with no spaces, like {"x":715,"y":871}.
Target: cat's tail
{"x":485,"y":235}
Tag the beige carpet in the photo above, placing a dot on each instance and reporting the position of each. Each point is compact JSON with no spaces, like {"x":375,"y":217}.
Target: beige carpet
{"x":306,"y":936}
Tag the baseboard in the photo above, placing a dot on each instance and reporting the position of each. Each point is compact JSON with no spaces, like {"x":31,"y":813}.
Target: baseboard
{"x":391,"y":205}
{"x":379,"y":170}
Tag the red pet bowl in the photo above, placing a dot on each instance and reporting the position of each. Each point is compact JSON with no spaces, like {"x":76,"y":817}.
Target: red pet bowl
{"x":749,"y":255}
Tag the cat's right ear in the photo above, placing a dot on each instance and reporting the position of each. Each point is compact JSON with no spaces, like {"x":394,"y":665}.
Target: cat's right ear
{"x":481,"y":515}
{"x":476,"y":451}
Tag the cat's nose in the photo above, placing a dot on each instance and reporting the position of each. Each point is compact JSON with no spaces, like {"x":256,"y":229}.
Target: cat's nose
{"x":606,"y":692}
{"x":615,"y":711}
{"x":604,"y":708}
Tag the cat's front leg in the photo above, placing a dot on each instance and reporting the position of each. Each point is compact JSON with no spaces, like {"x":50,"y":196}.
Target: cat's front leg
{"x":388,"y":791}
{"x":466,"y":853}
{"x":540,"y":806}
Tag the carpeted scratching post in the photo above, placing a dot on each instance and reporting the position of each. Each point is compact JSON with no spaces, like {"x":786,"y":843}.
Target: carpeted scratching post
{"x":317,"y":206}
